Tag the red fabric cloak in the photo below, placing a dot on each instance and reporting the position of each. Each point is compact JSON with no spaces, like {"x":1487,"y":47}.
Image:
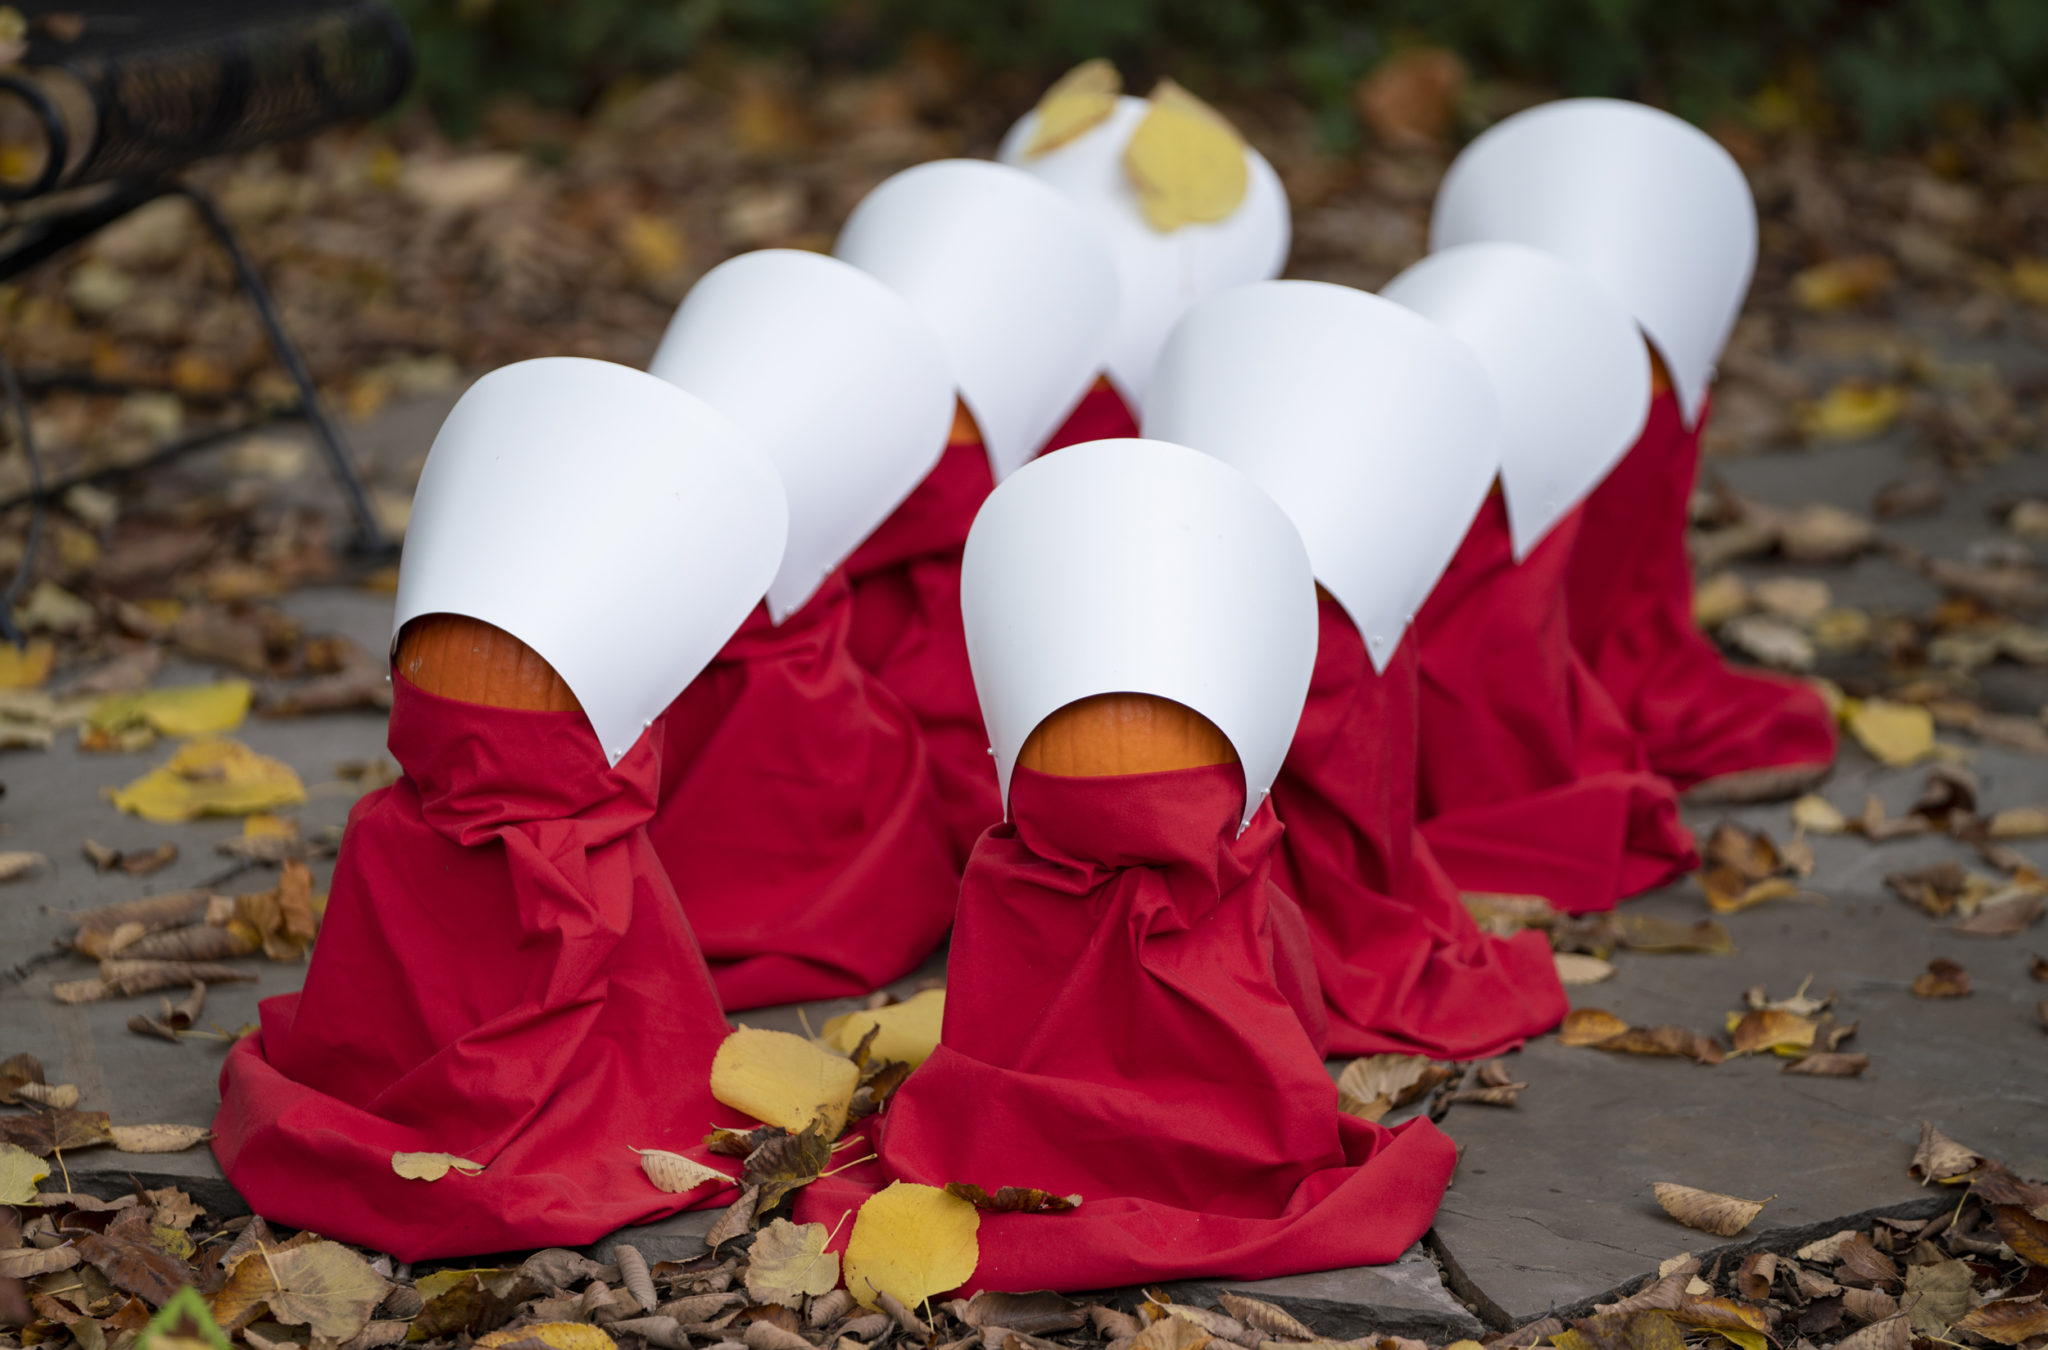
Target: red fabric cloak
{"x":797,"y":816}
{"x":907,"y":631}
{"x":501,"y":963}
{"x":1115,"y":1027}
{"x":1531,"y":781}
{"x":1101,"y":415}
{"x":1402,"y":965}
{"x":1630,"y":590}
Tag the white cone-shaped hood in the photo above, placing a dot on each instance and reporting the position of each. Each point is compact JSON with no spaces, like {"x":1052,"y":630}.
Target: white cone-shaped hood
{"x":605,"y":518}
{"x":832,"y":374}
{"x":1375,"y":430}
{"x":1139,"y":567}
{"x":1567,"y":364}
{"x":1160,"y":275}
{"x":1017,"y":284}
{"x":1649,"y":205}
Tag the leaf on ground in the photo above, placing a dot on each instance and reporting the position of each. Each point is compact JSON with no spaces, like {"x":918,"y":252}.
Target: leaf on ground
{"x":1648,"y":933}
{"x":675,"y":1174}
{"x":1897,"y":734}
{"x":1830,"y":1064}
{"x":1589,"y":1026}
{"x":1505,"y":915}
{"x":432,"y":1166}
{"x":1078,"y":100}
{"x":2003,"y":917}
{"x":28,"y":666}
{"x":1858,"y":1261}
{"x":43,"y":1132}
{"x":14,"y":1072}
{"x":158,"y":1138}
{"x":136,"y":1266}
{"x":2008,"y":1321}
{"x":1577,"y":968}
{"x":2023,"y":1231}
{"x":788,"y":1262}
{"x":553,"y":1335}
{"x":912,"y":1242}
{"x":783,"y":1079}
{"x":785,"y":1162}
{"x":1770,"y":1029}
{"x":1708,"y":1211}
{"x":1013,"y":1199}
{"x":20,"y":1170}
{"x":25,"y":1263}
{"x":1173,"y":1333}
{"x":1939,"y":1158}
{"x":2018,"y":822}
{"x":1042,"y":1313}
{"x":1668,"y":1042}
{"x":1185,"y":161}
{"x":1373,"y":1085}
{"x":283,"y":919}
{"x":906,"y":1031}
{"x":1937,"y":1295}
{"x":1814,"y":814}
{"x":1943,"y":978}
{"x":1728,"y":896}
{"x":14,"y":865}
{"x":1276,"y":1322}
{"x":324,"y":1287}
{"x":181,"y":710}
{"x":211,"y":777}
{"x":738,"y":1218}
{"x":1891,"y":1334}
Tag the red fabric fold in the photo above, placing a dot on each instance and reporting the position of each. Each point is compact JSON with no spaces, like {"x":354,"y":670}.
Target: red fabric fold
{"x":797,"y":819}
{"x":1531,"y":781}
{"x":1403,"y":967}
{"x":1101,"y":415}
{"x":501,"y":965}
{"x":1630,"y":588}
{"x":1115,"y":1027}
{"x":907,"y":631}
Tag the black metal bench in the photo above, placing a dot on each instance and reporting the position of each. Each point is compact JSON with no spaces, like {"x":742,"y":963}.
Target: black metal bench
{"x":124,"y":95}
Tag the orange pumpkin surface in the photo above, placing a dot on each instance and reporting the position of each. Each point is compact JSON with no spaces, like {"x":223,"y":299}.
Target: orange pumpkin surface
{"x":463,"y":658}
{"x":1110,"y":734}
{"x":964,"y":432}
{"x":1660,"y":374}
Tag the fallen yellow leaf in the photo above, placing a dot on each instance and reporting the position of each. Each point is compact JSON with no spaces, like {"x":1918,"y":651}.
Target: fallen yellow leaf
{"x":906,"y":1031}
{"x":1841,"y":282}
{"x":20,"y":1170}
{"x":1185,"y":161}
{"x":211,"y":777}
{"x":782,"y":1079}
{"x":1897,"y":734}
{"x":1817,"y":815}
{"x":1851,"y":411}
{"x":28,"y":666}
{"x":1589,"y":1026}
{"x":1078,"y":100}
{"x":789,"y":1262}
{"x":182,"y":710}
{"x":555,"y":1335}
{"x":2029,"y":279}
{"x":432,"y":1166}
{"x":1773,"y":1029}
{"x":912,"y":1242}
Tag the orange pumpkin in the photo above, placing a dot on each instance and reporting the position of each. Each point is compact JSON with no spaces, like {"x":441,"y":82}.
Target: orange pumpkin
{"x":1111,"y":734}
{"x":964,"y":432}
{"x":463,"y":658}
{"x":1660,"y":374}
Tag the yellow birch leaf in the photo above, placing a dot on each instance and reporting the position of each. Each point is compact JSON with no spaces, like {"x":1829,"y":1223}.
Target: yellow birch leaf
{"x":1589,"y":1026}
{"x":1078,"y":100}
{"x":788,"y":1261}
{"x":555,"y":1335}
{"x":1817,"y":815}
{"x":20,"y":1170}
{"x":211,"y":777}
{"x":906,"y":1031}
{"x":1186,"y":161}
{"x":913,"y":1242}
{"x":1852,"y":411}
{"x":432,"y":1166}
{"x":182,"y":710}
{"x":28,"y":666}
{"x":1578,"y":968}
{"x":1897,"y":734}
{"x":783,"y":1079}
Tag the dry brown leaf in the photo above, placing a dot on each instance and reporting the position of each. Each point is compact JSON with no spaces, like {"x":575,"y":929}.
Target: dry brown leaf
{"x":25,"y":1263}
{"x":1858,"y":1261}
{"x":1669,"y":1042}
{"x":1942,"y":979}
{"x":1269,"y":1318}
{"x":1577,"y":968}
{"x":193,"y":942}
{"x":1816,"y":815}
{"x":1172,"y":1333}
{"x":1770,"y":1029}
{"x":785,"y":1162}
{"x":1937,"y":1295}
{"x":1013,"y":1199}
{"x":1891,"y":1334}
{"x":788,"y":1263}
{"x":2009,"y":1321}
{"x":1842,"y":282}
{"x":1590,"y":1026}
{"x":44,"y":1132}
{"x":1829,"y":1064}
{"x":1708,"y":1211}
{"x":1941,"y":1159}
{"x":2018,"y":822}
{"x":1082,"y":98}
{"x":2025,"y":1233}
{"x":675,"y":1174}
{"x":2003,"y":917}
{"x":1371,"y":1086}
{"x":158,"y":1138}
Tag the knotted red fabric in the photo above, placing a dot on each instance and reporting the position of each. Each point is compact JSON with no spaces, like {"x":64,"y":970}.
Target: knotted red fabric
{"x":1115,"y":1028}
{"x":1403,"y":967}
{"x":907,"y":632}
{"x":1101,"y":415}
{"x":1531,"y":781}
{"x":501,"y":965}
{"x":797,"y":818}
{"x":1630,"y":592}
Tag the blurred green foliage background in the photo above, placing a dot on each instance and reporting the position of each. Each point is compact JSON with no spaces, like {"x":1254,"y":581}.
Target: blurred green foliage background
{"x":1883,"y":70}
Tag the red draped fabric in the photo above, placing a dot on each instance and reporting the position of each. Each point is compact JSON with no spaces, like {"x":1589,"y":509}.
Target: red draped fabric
{"x":1115,"y":1027}
{"x":797,"y":818}
{"x":503,"y":974}
{"x":907,"y":631}
{"x":1101,"y":415}
{"x":1402,"y":965}
{"x":1531,"y":781}
{"x":1630,"y":594}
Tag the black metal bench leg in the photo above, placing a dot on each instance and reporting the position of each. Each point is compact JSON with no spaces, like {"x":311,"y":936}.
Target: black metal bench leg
{"x":370,"y":537}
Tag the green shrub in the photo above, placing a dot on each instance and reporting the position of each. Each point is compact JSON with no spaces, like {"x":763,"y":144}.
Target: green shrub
{"x":1890,"y":68}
